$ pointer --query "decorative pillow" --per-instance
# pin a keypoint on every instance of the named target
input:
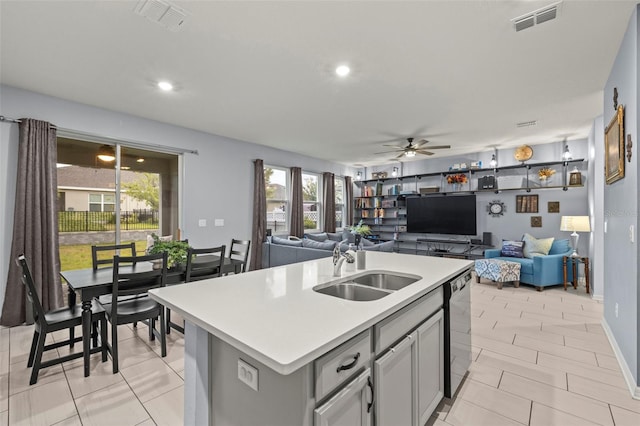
(334, 236)
(346, 235)
(317, 237)
(321, 245)
(387, 247)
(536, 247)
(366, 243)
(285, 242)
(512, 248)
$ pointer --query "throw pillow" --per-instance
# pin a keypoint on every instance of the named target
(536, 246)
(285, 242)
(334, 236)
(346, 235)
(512, 248)
(320, 245)
(317, 237)
(387, 247)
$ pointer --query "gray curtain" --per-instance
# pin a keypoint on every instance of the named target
(35, 222)
(329, 202)
(259, 229)
(348, 201)
(297, 214)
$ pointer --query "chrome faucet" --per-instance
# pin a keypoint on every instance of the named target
(338, 259)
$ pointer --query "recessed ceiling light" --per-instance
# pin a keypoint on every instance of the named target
(140, 160)
(165, 85)
(343, 70)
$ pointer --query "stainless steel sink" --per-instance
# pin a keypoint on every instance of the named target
(367, 286)
(351, 291)
(384, 280)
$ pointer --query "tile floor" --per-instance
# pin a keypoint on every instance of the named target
(539, 359)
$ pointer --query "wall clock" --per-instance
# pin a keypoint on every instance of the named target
(496, 208)
(523, 153)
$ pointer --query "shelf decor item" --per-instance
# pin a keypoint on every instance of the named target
(545, 175)
(457, 180)
(176, 251)
(523, 153)
(614, 148)
(360, 230)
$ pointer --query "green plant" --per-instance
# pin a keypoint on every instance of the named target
(360, 229)
(176, 250)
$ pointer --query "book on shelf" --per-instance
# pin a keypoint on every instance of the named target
(379, 188)
(388, 203)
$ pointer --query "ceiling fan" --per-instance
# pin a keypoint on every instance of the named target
(411, 149)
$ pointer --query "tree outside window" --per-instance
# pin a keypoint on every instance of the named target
(311, 201)
(276, 189)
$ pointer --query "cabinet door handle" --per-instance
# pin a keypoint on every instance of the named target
(350, 365)
(373, 396)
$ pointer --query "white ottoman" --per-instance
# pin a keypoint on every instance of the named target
(499, 271)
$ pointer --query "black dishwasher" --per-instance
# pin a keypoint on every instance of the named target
(457, 336)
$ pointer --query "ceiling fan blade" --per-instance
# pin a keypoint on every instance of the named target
(420, 143)
(394, 146)
(439, 147)
(425, 152)
(399, 156)
(387, 152)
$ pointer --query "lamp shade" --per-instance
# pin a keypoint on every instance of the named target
(575, 224)
(106, 153)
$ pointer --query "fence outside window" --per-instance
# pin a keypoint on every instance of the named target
(85, 221)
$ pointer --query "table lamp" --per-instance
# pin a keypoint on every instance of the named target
(575, 224)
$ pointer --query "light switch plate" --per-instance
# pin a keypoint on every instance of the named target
(248, 374)
(202, 223)
(632, 236)
(219, 222)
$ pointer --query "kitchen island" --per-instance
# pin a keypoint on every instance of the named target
(256, 343)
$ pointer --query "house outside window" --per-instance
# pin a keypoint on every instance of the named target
(312, 205)
(339, 200)
(276, 181)
(102, 202)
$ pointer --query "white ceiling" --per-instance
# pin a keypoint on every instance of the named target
(452, 71)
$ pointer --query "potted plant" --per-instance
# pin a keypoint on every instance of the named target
(360, 230)
(176, 251)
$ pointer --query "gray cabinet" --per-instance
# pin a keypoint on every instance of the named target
(396, 383)
(430, 366)
(352, 406)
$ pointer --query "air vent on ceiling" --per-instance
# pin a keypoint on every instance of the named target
(537, 17)
(162, 12)
(527, 123)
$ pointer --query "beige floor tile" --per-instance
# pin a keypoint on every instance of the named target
(20, 375)
(168, 408)
(517, 352)
(496, 400)
(151, 378)
(599, 346)
(4, 339)
(595, 328)
(4, 418)
(484, 373)
(434, 421)
(554, 349)
(540, 335)
(147, 422)
(608, 362)
(4, 362)
(175, 350)
(42, 405)
(500, 335)
(531, 371)
(464, 413)
(4, 392)
(546, 318)
(576, 330)
(519, 323)
(101, 376)
(559, 399)
(114, 405)
(553, 362)
(623, 417)
(541, 415)
(603, 392)
(71, 421)
(133, 351)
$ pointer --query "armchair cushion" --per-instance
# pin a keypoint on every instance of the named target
(536, 247)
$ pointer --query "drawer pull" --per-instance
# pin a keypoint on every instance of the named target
(351, 364)
(370, 404)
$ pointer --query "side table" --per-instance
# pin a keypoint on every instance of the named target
(575, 261)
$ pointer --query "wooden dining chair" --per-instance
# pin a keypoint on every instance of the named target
(238, 256)
(202, 264)
(140, 307)
(54, 320)
(115, 249)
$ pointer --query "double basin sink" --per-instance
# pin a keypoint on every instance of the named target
(372, 285)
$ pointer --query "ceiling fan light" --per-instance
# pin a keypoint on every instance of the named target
(106, 153)
(409, 153)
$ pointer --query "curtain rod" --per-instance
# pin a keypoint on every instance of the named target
(13, 120)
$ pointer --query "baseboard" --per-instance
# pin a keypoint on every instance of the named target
(626, 372)
(597, 297)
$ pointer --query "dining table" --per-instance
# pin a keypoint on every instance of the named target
(87, 284)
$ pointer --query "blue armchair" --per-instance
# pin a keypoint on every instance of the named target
(540, 271)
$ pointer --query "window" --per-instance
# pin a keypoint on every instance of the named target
(277, 190)
(339, 200)
(311, 204)
(102, 202)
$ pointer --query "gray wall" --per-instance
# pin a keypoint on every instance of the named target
(513, 225)
(596, 208)
(218, 182)
(621, 207)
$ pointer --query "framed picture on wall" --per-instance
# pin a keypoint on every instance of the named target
(614, 148)
(526, 204)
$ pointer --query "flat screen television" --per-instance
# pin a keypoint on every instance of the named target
(449, 214)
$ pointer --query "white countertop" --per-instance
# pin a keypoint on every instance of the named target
(274, 316)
